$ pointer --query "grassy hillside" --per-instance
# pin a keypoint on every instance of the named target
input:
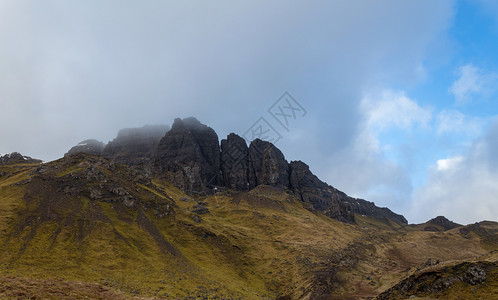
(465, 280)
(86, 219)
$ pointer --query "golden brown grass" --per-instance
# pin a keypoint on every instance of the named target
(251, 245)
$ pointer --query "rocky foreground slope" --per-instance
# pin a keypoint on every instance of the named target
(463, 280)
(265, 229)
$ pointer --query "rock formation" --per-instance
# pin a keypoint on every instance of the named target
(189, 156)
(267, 165)
(443, 222)
(16, 157)
(136, 146)
(87, 146)
(331, 201)
(235, 162)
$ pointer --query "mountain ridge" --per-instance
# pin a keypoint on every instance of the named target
(86, 218)
(191, 156)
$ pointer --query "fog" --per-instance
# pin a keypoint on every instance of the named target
(71, 71)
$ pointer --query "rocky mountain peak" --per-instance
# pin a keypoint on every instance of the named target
(189, 123)
(443, 222)
(189, 156)
(16, 157)
(89, 146)
(136, 146)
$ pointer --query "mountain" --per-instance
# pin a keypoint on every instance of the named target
(190, 157)
(16, 157)
(132, 146)
(90, 146)
(263, 228)
(135, 146)
(441, 221)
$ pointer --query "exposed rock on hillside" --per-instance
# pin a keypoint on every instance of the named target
(311, 189)
(235, 162)
(92, 177)
(16, 157)
(135, 146)
(331, 201)
(90, 146)
(90, 217)
(189, 156)
(443, 222)
(267, 165)
(447, 282)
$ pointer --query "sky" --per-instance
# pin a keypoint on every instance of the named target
(395, 102)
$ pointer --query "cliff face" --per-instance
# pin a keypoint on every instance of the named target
(190, 157)
(135, 146)
(331, 201)
(235, 162)
(267, 165)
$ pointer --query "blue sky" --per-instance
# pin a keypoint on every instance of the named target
(456, 103)
(400, 96)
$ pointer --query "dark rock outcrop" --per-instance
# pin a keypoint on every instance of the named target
(136, 146)
(275, 167)
(311, 189)
(443, 222)
(437, 282)
(235, 162)
(367, 208)
(267, 165)
(331, 201)
(189, 156)
(16, 157)
(87, 146)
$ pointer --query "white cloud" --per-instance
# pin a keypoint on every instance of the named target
(394, 109)
(364, 169)
(125, 63)
(451, 121)
(449, 164)
(462, 188)
(472, 82)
